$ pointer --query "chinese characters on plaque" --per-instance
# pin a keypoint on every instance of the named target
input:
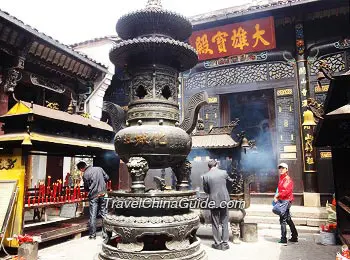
(286, 124)
(234, 39)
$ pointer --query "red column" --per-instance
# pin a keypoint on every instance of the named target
(4, 100)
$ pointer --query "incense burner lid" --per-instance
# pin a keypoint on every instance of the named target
(154, 20)
(154, 50)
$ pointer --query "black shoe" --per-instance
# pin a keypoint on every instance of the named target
(216, 246)
(92, 237)
(224, 246)
(283, 242)
(293, 240)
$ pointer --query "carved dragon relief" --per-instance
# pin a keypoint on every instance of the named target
(11, 80)
(316, 108)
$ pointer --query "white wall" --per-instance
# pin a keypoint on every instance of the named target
(95, 102)
(39, 169)
(99, 51)
(66, 166)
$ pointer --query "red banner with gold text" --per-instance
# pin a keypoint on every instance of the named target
(234, 39)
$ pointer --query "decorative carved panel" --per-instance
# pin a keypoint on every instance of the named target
(336, 63)
(142, 80)
(280, 70)
(163, 82)
(195, 81)
(240, 75)
(237, 75)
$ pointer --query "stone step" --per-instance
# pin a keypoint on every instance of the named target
(275, 220)
(206, 231)
(260, 210)
(301, 229)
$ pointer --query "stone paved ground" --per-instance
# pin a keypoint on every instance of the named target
(265, 249)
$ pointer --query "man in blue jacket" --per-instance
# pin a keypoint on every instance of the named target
(95, 180)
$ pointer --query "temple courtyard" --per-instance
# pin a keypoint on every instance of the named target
(267, 248)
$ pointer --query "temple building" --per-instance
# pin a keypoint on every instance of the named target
(36, 68)
(40, 69)
(260, 64)
(50, 109)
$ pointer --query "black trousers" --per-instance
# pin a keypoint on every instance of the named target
(285, 218)
(219, 216)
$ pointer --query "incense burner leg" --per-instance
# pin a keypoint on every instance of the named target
(138, 168)
(182, 172)
(235, 228)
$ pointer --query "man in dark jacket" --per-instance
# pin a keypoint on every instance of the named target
(95, 180)
(214, 184)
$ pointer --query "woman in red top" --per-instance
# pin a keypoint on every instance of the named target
(284, 198)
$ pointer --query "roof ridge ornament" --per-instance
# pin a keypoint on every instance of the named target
(154, 4)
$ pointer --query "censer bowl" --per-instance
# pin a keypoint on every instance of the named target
(161, 145)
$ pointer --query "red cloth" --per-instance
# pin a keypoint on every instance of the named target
(285, 188)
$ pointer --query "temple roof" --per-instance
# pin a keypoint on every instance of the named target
(245, 9)
(25, 108)
(230, 12)
(113, 38)
(46, 48)
(87, 146)
(213, 141)
(55, 132)
(216, 137)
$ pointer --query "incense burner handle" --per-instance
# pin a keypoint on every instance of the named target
(192, 109)
(116, 114)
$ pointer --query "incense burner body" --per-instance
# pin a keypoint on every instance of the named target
(153, 130)
(152, 54)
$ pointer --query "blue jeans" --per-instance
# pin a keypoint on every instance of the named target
(282, 209)
(96, 205)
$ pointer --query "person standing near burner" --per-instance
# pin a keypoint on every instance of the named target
(95, 180)
(214, 184)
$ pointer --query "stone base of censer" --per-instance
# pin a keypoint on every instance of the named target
(152, 225)
(192, 252)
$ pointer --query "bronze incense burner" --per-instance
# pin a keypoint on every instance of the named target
(153, 53)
